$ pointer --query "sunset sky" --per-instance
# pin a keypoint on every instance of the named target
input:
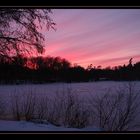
(105, 37)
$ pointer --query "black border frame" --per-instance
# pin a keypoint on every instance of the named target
(74, 4)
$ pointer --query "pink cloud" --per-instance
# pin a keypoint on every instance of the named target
(102, 37)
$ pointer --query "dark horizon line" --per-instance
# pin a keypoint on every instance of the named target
(76, 64)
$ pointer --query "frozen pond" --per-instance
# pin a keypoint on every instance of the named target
(80, 88)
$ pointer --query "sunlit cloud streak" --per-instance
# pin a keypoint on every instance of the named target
(98, 36)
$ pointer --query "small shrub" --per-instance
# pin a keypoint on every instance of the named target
(116, 112)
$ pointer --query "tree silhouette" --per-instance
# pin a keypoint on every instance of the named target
(130, 62)
(20, 30)
(56, 69)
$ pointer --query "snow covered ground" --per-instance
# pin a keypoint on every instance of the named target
(30, 126)
(84, 90)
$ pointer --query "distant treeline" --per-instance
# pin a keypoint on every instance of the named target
(55, 69)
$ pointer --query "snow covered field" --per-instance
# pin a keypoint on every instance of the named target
(30, 126)
(82, 90)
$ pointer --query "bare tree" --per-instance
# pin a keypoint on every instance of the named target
(76, 114)
(20, 30)
(42, 109)
(16, 106)
(28, 106)
(23, 106)
(67, 110)
(2, 106)
(57, 104)
(117, 112)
